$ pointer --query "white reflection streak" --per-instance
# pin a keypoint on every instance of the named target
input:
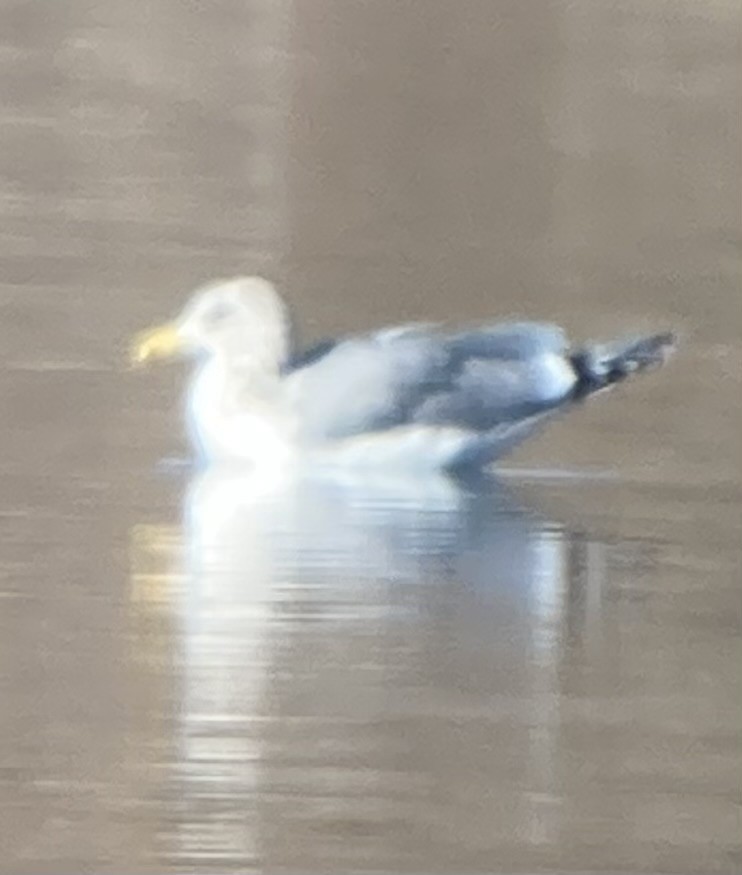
(226, 620)
(548, 594)
(255, 543)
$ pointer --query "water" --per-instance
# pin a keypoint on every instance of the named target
(534, 673)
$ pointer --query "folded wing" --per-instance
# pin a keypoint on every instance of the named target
(484, 379)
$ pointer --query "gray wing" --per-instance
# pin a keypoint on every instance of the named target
(478, 379)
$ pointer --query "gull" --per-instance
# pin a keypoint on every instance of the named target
(422, 397)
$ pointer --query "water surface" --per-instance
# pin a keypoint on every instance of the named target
(535, 673)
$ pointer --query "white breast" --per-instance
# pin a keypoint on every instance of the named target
(254, 431)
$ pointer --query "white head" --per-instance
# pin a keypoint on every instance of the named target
(242, 320)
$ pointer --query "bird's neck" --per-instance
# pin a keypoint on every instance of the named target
(232, 377)
(259, 351)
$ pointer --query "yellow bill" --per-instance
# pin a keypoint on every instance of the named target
(157, 343)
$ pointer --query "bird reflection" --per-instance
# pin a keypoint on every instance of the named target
(306, 612)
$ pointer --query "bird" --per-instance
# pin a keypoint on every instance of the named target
(418, 396)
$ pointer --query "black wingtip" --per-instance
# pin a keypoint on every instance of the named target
(652, 350)
(601, 365)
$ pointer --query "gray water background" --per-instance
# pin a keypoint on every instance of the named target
(544, 677)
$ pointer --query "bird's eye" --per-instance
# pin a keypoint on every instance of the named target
(219, 313)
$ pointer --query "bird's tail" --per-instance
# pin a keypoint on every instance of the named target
(601, 365)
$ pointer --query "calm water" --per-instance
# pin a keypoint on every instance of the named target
(539, 672)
